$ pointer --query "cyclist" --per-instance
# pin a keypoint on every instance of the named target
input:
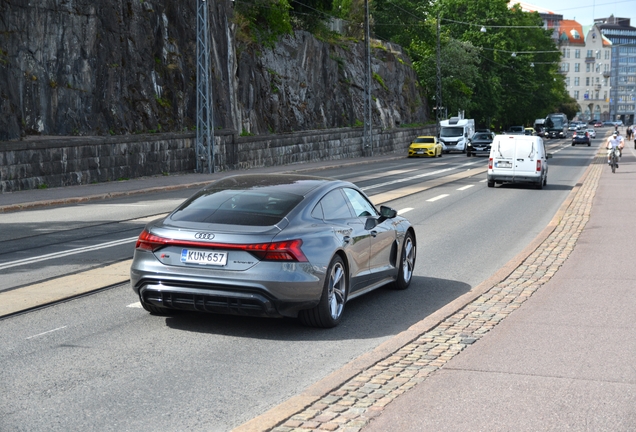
(615, 140)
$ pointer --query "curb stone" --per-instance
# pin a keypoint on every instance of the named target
(351, 406)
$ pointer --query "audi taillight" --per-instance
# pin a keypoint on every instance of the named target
(150, 242)
(288, 250)
(278, 251)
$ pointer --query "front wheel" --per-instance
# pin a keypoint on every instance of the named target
(407, 264)
(328, 312)
(468, 154)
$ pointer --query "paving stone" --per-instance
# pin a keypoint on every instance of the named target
(349, 408)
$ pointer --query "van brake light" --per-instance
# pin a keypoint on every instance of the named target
(538, 165)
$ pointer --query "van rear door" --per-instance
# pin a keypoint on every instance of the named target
(502, 152)
(526, 155)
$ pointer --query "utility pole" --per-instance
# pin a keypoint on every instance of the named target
(367, 140)
(438, 93)
(205, 117)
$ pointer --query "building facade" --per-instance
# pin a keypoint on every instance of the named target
(623, 67)
(586, 64)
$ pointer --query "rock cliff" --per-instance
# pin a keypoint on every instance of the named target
(113, 67)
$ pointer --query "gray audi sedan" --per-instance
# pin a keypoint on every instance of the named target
(272, 246)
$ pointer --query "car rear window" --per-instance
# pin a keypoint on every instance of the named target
(237, 207)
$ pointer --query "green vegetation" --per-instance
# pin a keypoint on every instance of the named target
(163, 102)
(478, 72)
(380, 81)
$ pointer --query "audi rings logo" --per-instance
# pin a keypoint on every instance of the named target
(204, 236)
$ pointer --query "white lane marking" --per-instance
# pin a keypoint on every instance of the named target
(382, 174)
(465, 187)
(417, 176)
(483, 181)
(405, 210)
(146, 219)
(113, 205)
(66, 253)
(135, 305)
(50, 331)
(439, 197)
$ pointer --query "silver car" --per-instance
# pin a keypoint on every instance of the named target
(272, 245)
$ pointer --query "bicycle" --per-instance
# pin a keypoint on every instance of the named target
(614, 158)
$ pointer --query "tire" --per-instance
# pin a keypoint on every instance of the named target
(407, 264)
(468, 154)
(440, 153)
(613, 167)
(491, 184)
(328, 312)
(589, 144)
(545, 180)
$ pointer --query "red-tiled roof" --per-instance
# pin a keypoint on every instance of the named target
(573, 31)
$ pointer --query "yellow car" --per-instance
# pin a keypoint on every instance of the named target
(425, 146)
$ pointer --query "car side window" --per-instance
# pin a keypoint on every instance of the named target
(361, 206)
(332, 206)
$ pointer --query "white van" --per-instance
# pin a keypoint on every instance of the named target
(518, 159)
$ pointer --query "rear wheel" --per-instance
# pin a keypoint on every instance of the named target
(407, 264)
(329, 310)
(491, 183)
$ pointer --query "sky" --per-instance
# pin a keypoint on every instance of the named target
(584, 11)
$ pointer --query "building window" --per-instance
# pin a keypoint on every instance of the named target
(607, 54)
(577, 53)
(587, 81)
(576, 81)
(567, 81)
(577, 67)
(589, 53)
(576, 94)
(598, 54)
(588, 67)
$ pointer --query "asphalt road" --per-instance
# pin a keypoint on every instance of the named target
(100, 362)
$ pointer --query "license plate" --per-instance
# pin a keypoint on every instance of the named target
(215, 258)
(503, 164)
(420, 152)
(479, 148)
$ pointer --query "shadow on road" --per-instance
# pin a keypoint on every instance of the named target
(378, 314)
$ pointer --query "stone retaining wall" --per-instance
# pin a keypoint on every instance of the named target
(63, 161)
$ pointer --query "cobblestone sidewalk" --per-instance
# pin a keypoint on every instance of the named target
(351, 406)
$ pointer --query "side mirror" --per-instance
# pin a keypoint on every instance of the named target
(370, 223)
(387, 212)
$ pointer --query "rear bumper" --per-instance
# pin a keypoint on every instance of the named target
(246, 301)
(506, 178)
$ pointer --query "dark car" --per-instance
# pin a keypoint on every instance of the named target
(272, 246)
(516, 130)
(581, 137)
(479, 143)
